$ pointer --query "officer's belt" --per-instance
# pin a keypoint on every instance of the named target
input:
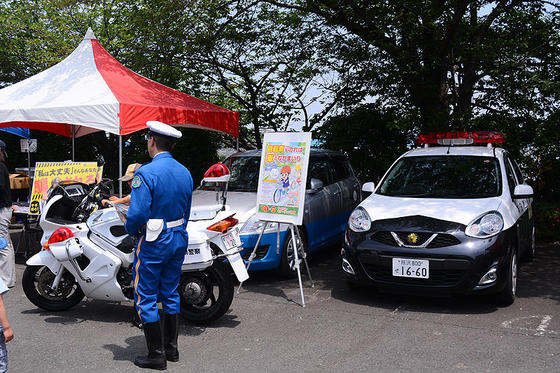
(175, 223)
(155, 226)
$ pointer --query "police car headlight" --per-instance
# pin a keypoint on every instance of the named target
(359, 220)
(487, 225)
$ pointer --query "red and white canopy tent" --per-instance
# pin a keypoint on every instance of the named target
(91, 91)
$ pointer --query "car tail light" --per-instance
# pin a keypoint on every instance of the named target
(460, 138)
(59, 235)
(223, 225)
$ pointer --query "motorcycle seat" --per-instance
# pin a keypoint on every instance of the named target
(127, 245)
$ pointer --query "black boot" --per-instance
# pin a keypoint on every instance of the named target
(170, 332)
(136, 320)
(154, 341)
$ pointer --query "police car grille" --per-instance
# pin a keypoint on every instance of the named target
(421, 237)
(443, 240)
(385, 238)
(259, 254)
(437, 277)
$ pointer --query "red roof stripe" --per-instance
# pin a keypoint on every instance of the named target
(142, 99)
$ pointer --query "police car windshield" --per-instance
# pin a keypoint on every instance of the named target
(443, 177)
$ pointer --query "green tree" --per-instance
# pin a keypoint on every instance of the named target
(264, 58)
(146, 36)
(371, 138)
(450, 60)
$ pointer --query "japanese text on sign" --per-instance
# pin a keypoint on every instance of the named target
(282, 176)
(46, 172)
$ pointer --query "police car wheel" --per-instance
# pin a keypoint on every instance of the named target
(287, 268)
(507, 296)
(37, 281)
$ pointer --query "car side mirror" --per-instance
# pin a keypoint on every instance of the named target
(522, 191)
(368, 187)
(316, 185)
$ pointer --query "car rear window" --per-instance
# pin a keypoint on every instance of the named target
(443, 177)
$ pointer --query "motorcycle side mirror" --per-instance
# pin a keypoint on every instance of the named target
(107, 182)
(106, 185)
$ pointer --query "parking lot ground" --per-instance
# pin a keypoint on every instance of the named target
(340, 329)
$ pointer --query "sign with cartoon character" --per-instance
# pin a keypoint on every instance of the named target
(49, 174)
(283, 172)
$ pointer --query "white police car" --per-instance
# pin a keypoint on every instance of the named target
(452, 217)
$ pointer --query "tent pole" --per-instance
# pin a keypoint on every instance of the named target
(29, 168)
(120, 165)
(73, 138)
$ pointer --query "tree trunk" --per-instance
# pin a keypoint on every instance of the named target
(257, 132)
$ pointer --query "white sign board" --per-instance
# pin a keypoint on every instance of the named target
(30, 144)
(282, 177)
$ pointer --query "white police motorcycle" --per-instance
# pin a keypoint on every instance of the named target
(87, 252)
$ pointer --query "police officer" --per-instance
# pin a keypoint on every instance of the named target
(160, 205)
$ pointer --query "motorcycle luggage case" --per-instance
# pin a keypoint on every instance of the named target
(199, 254)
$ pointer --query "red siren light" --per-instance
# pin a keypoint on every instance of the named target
(59, 235)
(217, 170)
(461, 138)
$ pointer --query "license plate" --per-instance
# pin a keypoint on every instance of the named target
(416, 268)
(231, 239)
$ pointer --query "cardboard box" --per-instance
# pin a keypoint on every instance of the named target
(19, 181)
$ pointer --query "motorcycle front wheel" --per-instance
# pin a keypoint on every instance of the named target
(37, 286)
(206, 295)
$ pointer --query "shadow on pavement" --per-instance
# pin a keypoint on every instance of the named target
(323, 271)
(111, 312)
(134, 346)
(137, 344)
(190, 329)
(541, 278)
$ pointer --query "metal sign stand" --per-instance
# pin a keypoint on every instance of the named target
(293, 231)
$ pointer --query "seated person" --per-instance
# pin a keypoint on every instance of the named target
(128, 176)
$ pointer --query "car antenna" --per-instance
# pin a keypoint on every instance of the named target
(448, 148)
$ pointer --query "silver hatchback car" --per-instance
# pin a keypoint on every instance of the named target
(333, 191)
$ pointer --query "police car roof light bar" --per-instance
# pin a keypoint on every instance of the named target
(460, 138)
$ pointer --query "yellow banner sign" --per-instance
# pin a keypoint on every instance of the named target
(46, 172)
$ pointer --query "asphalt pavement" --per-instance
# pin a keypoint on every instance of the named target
(340, 330)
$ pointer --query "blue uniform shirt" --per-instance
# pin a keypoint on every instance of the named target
(161, 189)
